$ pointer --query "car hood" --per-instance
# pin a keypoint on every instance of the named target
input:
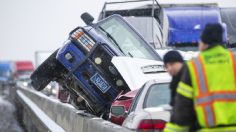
(132, 72)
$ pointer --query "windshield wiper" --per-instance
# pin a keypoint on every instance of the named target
(109, 36)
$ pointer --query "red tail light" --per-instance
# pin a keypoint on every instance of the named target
(149, 124)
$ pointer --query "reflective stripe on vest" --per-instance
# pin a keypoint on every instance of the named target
(206, 98)
(233, 57)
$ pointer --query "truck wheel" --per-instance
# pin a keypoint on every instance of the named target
(47, 72)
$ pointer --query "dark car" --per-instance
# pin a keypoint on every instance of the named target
(122, 103)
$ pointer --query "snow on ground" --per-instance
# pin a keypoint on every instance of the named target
(187, 55)
(8, 122)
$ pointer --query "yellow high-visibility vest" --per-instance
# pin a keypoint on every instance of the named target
(213, 77)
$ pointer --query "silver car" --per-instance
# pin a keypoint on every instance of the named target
(150, 109)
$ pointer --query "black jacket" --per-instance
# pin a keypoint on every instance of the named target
(183, 111)
(174, 84)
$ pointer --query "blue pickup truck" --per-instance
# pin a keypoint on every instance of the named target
(83, 64)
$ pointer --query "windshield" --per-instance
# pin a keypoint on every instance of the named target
(122, 36)
(158, 94)
(5, 73)
(27, 72)
(149, 28)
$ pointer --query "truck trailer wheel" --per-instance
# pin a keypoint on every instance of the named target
(49, 70)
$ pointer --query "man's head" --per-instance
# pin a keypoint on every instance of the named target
(173, 62)
(211, 35)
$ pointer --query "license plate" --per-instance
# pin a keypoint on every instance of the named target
(100, 82)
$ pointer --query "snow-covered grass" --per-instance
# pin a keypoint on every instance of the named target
(8, 122)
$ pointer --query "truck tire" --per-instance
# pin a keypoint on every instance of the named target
(49, 70)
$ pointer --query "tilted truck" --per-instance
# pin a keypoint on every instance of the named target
(83, 65)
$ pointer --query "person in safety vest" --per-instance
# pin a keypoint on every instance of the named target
(206, 94)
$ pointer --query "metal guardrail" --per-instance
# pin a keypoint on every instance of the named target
(41, 113)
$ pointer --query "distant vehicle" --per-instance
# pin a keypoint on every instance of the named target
(23, 68)
(51, 90)
(150, 109)
(228, 17)
(6, 73)
(23, 80)
(121, 103)
(184, 30)
(83, 65)
(63, 95)
(144, 17)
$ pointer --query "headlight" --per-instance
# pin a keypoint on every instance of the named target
(83, 38)
(25, 84)
(119, 83)
(49, 87)
(98, 60)
(69, 57)
(54, 91)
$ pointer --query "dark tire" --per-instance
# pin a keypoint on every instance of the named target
(49, 70)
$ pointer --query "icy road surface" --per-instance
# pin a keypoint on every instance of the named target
(8, 122)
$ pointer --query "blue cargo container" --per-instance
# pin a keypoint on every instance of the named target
(185, 24)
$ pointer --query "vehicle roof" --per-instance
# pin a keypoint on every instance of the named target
(131, 70)
(160, 80)
(131, 94)
(24, 65)
(5, 65)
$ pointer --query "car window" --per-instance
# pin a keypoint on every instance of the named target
(136, 99)
(127, 40)
(157, 95)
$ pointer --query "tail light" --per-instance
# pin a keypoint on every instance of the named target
(148, 125)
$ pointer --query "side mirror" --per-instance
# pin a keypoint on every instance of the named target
(87, 18)
(118, 110)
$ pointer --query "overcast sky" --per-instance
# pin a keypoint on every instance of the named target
(27, 26)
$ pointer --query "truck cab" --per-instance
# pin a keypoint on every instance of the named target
(5, 73)
(23, 69)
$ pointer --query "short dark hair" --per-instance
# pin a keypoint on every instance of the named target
(212, 34)
(172, 56)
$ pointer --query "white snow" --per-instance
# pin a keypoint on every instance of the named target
(187, 55)
(8, 122)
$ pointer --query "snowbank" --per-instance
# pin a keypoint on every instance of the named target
(8, 122)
